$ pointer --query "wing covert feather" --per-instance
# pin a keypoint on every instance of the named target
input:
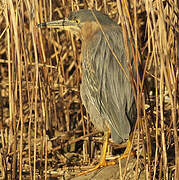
(107, 88)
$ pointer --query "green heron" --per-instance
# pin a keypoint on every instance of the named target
(106, 90)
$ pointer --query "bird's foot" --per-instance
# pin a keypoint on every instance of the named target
(102, 163)
(125, 155)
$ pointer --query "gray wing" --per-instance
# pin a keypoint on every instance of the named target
(106, 86)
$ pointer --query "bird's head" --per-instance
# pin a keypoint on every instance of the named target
(83, 23)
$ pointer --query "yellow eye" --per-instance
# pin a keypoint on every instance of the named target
(77, 21)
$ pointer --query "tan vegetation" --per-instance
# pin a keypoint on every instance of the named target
(44, 129)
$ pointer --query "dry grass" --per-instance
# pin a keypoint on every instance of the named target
(44, 128)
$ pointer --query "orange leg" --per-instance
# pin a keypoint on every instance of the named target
(126, 152)
(103, 161)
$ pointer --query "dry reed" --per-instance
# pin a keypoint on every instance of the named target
(44, 129)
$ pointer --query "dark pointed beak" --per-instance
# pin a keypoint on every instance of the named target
(61, 24)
